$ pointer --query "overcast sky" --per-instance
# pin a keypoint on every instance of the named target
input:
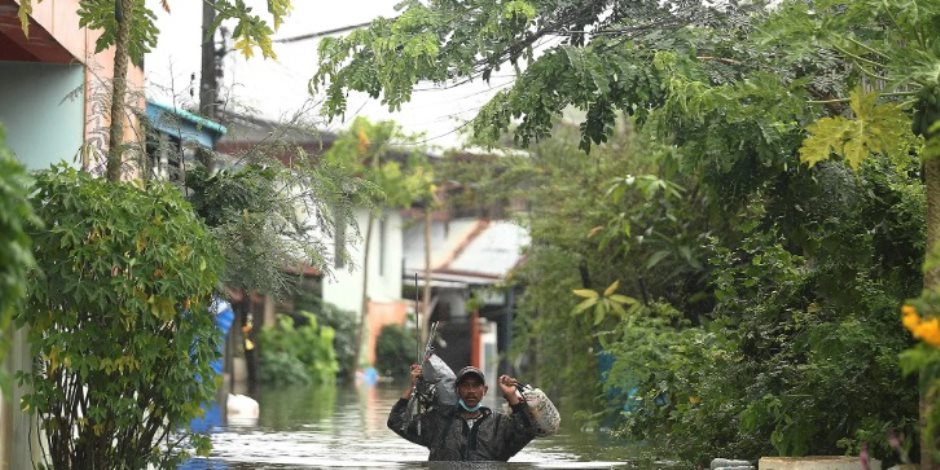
(278, 88)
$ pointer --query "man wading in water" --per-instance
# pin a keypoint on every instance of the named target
(467, 431)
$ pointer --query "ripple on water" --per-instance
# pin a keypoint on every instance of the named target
(345, 428)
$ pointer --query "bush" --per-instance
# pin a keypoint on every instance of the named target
(342, 321)
(15, 258)
(394, 351)
(304, 354)
(118, 321)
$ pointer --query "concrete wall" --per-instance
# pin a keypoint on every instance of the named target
(44, 120)
(42, 127)
(380, 315)
(344, 289)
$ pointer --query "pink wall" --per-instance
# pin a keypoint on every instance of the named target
(381, 314)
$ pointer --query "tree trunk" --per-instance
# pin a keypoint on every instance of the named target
(931, 282)
(365, 292)
(426, 294)
(123, 11)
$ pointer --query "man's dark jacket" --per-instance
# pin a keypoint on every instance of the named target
(494, 436)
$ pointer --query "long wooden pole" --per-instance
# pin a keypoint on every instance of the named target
(426, 302)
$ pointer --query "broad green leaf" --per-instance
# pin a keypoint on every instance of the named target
(656, 258)
(611, 288)
(616, 308)
(584, 305)
(876, 128)
(599, 313)
(586, 293)
(622, 299)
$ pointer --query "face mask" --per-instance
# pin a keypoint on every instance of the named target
(469, 409)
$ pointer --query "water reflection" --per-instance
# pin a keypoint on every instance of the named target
(344, 427)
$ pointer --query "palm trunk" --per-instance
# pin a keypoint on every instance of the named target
(123, 11)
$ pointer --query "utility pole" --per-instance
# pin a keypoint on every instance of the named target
(209, 77)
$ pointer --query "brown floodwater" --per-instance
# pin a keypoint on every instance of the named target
(344, 427)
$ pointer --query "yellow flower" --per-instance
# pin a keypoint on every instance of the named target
(926, 330)
(929, 331)
(910, 321)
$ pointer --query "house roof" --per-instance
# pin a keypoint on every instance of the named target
(184, 124)
(470, 251)
(40, 46)
(247, 132)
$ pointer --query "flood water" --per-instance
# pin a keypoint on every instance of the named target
(344, 427)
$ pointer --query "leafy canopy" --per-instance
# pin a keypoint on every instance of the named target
(883, 129)
(251, 30)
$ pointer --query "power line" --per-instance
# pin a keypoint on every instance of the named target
(343, 29)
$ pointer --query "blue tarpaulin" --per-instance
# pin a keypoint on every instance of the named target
(224, 317)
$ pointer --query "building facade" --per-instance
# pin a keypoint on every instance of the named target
(54, 106)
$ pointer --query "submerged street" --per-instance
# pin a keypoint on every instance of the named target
(344, 427)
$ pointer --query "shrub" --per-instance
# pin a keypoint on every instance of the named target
(118, 321)
(301, 354)
(394, 351)
(15, 258)
(342, 321)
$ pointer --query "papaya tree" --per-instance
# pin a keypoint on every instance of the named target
(129, 26)
(742, 90)
(893, 49)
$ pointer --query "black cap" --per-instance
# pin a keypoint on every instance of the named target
(470, 370)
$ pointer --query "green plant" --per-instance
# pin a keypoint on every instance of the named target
(343, 323)
(394, 351)
(302, 354)
(16, 218)
(366, 151)
(256, 217)
(118, 321)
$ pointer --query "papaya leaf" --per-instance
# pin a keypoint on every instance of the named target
(876, 129)
(26, 9)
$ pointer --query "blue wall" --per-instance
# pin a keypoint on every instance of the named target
(44, 121)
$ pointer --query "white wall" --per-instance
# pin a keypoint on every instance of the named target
(44, 123)
(344, 289)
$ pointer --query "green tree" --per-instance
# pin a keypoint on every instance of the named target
(128, 26)
(395, 179)
(119, 322)
(740, 90)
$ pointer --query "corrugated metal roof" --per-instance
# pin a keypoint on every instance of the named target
(495, 251)
(471, 251)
